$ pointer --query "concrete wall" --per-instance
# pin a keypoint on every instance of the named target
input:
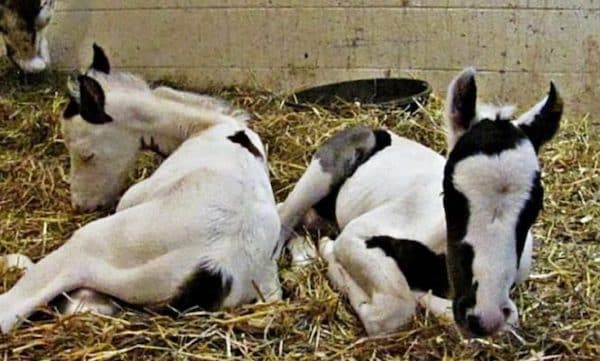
(518, 45)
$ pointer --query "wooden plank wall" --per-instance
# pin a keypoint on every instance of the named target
(518, 45)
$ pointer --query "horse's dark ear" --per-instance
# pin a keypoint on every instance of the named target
(28, 10)
(72, 108)
(461, 105)
(100, 62)
(541, 122)
(92, 101)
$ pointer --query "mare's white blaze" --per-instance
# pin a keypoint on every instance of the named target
(497, 188)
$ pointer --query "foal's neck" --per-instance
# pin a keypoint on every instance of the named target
(164, 124)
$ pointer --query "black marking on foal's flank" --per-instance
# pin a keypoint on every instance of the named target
(342, 155)
(100, 61)
(204, 289)
(72, 108)
(424, 270)
(528, 214)
(242, 139)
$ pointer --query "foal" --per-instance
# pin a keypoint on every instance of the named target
(199, 232)
(414, 223)
(22, 26)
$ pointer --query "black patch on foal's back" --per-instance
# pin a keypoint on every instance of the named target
(332, 160)
(424, 270)
(242, 139)
(204, 289)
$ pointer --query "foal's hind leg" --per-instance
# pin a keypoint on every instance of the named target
(56, 273)
(114, 255)
(332, 164)
(376, 288)
(81, 300)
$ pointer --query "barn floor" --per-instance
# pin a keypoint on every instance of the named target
(559, 305)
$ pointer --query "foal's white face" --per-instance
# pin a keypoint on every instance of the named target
(22, 23)
(102, 153)
(492, 196)
(101, 157)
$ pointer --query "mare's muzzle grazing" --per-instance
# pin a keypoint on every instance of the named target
(22, 26)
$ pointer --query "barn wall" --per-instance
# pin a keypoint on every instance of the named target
(518, 45)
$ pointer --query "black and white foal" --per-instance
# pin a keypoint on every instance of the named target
(199, 232)
(418, 228)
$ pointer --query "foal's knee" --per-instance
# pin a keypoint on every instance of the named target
(386, 313)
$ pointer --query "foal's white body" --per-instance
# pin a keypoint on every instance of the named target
(209, 205)
(396, 193)
(392, 209)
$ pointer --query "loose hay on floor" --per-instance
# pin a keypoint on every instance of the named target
(559, 305)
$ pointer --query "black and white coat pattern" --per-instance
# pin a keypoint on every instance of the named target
(199, 232)
(451, 234)
(22, 27)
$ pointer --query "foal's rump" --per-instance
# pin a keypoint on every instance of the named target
(405, 169)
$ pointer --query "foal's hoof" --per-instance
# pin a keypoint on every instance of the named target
(303, 251)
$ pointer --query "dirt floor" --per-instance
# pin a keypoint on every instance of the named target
(559, 305)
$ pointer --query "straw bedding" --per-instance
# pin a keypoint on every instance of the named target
(559, 305)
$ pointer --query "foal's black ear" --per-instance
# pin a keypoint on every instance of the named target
(100, 62)
(92, 101)
(541, 122)
(72, 108)
(461, 105)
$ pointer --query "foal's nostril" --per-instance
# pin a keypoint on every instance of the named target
(474, 325)
(506, 311)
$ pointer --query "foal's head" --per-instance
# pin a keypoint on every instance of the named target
(112, 115)
(492, 196)
(22, 23)
(102, 147)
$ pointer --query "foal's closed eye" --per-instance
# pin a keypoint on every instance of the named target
(86, 157)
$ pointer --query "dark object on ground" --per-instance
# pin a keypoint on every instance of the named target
(386, 92)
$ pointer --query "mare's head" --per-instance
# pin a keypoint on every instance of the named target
(492, 196)
(22, 24)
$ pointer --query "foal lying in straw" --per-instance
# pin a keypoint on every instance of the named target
(199, 232)
(412, 222)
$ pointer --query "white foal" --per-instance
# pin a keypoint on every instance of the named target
(198, 233)
(418, 228)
